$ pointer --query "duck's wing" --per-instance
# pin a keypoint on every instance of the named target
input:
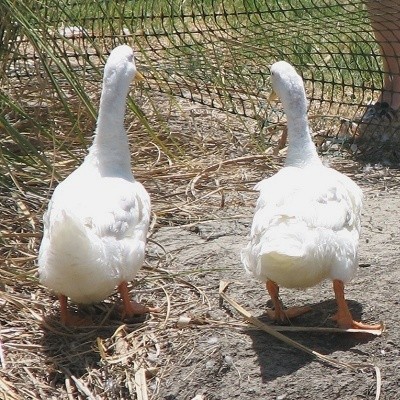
(97, 237)
(305, 220)
(110, 207)
(122, 215)
(318, 196)
(87, 223)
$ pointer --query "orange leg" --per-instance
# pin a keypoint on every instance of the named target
(343, 316)
(279, 314)
(132, 307)
(69, 319)
(64, 312)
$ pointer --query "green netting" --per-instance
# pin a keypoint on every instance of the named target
(216, 53)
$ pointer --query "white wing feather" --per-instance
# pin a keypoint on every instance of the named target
(94, 235)
(306, 227)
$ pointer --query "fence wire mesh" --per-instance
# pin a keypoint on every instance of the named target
(211, 52)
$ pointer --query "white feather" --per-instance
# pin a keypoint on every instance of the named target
(96, 224)
(306, 224)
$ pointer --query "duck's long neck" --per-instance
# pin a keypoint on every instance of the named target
(301, 149)
(110, 149)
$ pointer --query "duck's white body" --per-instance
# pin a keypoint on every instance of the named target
(306, 227)
(306, 224)
(97, 221)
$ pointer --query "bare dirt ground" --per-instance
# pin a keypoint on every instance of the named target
(198, 348)
(239, 363)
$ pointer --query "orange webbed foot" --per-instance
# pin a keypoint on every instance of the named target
(281, 315)
(347, 322)
(130, 307)
(134, 308)
(70, 319)
(343, 316)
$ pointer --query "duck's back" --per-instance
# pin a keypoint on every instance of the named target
(94, 234)
(306, 227)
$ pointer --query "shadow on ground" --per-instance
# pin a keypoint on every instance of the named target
(277, 359)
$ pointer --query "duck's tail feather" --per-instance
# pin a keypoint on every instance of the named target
(279, 250)
(283, 249)
(68, 241)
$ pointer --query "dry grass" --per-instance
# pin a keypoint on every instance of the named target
(190, 180)
(199, 163)
(203, 163)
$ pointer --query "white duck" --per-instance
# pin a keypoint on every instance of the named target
(97, 220)
(306, 224)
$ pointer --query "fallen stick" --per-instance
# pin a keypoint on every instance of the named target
(273, 332)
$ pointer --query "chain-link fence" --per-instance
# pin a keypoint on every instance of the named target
(213, 52)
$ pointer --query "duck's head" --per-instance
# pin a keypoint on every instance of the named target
(120, 68)
(288, 85)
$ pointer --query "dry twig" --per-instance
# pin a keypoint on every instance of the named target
(273, 332)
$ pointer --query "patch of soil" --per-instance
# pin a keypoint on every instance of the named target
(203, 205)
(232, 362)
